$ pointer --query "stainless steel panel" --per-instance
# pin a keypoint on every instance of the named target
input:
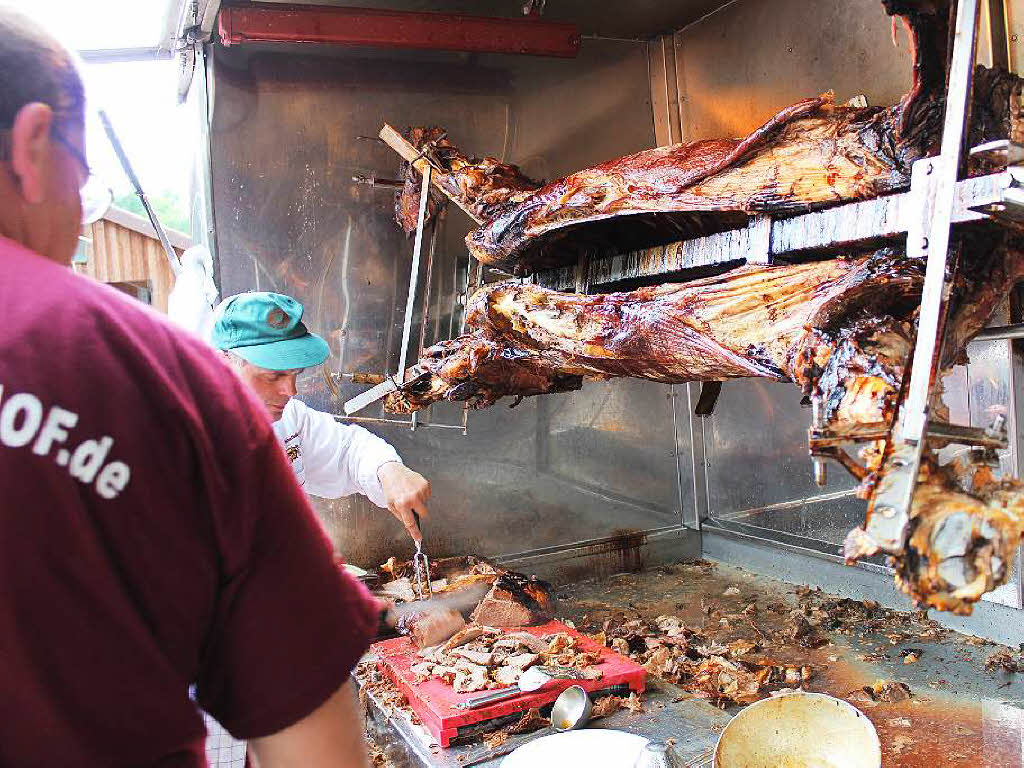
(758, 470)
(555, 470)
(742, 65)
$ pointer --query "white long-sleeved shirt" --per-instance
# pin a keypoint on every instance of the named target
(332, 459)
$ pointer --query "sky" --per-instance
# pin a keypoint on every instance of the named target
(140, 98)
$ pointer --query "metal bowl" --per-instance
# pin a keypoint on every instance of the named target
(571, 709)
(799, 730)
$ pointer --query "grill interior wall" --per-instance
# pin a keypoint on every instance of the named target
(557, 469)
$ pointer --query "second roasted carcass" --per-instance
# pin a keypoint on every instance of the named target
(842, 330)
(780, 323)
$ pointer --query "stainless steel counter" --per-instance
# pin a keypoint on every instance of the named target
(963, 710)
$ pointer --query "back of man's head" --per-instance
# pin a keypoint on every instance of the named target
(42, 139)
(34, 67)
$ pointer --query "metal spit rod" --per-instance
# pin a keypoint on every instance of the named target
(414, 273)
(115, 142)
(400, 375)
(414, 420)
(1001, 333)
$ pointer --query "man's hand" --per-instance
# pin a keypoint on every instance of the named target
(406, 492)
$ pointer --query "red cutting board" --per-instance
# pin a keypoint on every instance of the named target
(434, 701)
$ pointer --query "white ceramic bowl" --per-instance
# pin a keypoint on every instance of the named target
(591, 747)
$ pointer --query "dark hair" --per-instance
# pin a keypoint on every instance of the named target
(35, 67)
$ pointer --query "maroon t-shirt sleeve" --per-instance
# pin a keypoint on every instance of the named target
(289, 625)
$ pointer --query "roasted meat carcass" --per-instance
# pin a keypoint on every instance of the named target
(771, 322)
(841, 330)
(811, 154)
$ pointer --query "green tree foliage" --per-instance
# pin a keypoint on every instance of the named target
(169, 206)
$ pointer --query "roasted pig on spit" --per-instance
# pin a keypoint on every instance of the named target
(842, 330)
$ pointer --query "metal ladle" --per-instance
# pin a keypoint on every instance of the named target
(571, 709)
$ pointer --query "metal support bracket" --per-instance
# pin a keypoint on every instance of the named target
(414, 273)
(928, 232)
(709, 393)
(1008, 201)
(393, 383)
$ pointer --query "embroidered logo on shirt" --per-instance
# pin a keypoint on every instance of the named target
(293, 452)
(277, 319)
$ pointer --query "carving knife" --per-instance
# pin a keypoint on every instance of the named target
(462, 600)
(382, 390)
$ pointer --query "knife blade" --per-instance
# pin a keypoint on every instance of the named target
(382, 390)
(461, 600)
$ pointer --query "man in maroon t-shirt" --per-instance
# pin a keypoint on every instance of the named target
(152, 534)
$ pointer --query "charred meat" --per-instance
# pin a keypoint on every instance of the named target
(513, 600)
(482, 185)
(780, 323)
(516, 601)
(962, 541)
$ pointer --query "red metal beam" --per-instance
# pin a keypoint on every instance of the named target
(396, 29)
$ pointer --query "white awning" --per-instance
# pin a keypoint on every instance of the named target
(142, 28)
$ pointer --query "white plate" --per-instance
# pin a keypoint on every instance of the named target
(592, 747)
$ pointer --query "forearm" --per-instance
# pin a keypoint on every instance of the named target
(369, 454)
(330, 737)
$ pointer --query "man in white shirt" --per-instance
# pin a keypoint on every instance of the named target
(263, 338)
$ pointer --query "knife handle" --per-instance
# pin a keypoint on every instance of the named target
(490, 698)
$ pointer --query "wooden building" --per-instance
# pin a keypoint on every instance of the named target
(123, 250)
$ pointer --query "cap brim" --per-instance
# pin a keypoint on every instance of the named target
(287, 354)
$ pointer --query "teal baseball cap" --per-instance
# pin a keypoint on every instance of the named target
(266, 329)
